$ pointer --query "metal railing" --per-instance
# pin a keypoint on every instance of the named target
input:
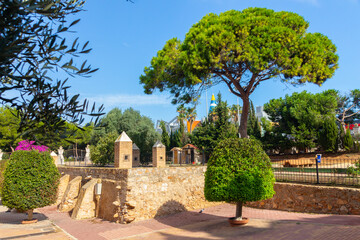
(74, 157)
(335, 171)
(327, 171)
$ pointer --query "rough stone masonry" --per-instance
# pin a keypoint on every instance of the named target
(143, 193)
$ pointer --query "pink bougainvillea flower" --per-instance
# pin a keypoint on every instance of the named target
(26, 145)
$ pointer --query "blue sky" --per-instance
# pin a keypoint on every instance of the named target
(125, 36)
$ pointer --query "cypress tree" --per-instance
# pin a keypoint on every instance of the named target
(348, 141)
(253, 128)
(328, 135)
(165, 139)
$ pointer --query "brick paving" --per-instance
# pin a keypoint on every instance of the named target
(210, 224)
(11, 227)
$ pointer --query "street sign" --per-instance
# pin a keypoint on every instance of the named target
(318, 158)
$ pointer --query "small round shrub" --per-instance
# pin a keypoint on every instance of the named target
(30, 180)
(239, 171)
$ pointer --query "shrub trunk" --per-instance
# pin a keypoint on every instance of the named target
(238, 215)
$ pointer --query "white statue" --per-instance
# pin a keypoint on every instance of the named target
(1, 154)
(87, 154)
(61, 155)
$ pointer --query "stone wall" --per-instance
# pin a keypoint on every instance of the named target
(161, 191)
(94, 172)
(312, 199)
(146, 192)
(143, 193)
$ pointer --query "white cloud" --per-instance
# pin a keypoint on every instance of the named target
(128, 100)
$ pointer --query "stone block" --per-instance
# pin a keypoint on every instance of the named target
(71, 194)
(109, 195)
(63, 183)
(86, 203)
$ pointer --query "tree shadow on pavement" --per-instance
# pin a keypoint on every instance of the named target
(14, 217)
(345, 220)
(201, 225)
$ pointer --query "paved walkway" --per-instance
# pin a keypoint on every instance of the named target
(44, 229)
(210, 224)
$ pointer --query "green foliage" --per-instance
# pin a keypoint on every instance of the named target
(183, 114)
(253, 127)
(301, 116)
(165, 139)
(215, 129)
(348, 141)
(9, 125)
(70, 134)
(3, 164)
(33, 47)
(175, 139)
(354, 171)
(103, 153)
(30, 180)
(241, 49)
(239, 171)
(328, 135)
(206, 136)
(139, 128)
(73, 136)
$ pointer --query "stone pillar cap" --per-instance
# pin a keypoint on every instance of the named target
(135, 147)
(158, 144)
(123, 138)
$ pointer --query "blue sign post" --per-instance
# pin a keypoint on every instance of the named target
(318, 160)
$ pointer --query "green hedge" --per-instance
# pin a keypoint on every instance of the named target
(239, 171)
(2, 169)
(30, 180)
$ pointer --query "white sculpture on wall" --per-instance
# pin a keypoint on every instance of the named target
(61, 155)
(87, 155)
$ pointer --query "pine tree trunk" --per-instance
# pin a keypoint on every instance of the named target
(244, 118)
(238, 215)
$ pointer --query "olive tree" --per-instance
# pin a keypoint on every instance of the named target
(33, 50)
(241, 49)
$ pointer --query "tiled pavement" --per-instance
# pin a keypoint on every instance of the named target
(211, 224)
(44, 229)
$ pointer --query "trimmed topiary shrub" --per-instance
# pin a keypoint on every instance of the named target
(30, 181)
(239, 171)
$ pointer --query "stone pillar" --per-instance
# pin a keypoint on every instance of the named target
(136, 155)
(61, 159)
(87, 159)
(159, 155)
(123, 151)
